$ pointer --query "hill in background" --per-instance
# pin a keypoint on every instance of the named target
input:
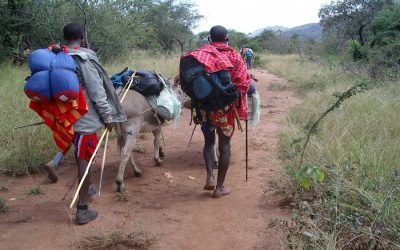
(310, 31)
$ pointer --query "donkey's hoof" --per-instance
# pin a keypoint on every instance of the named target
(121, 187)
(137, 174)
(162, 154)
(159, 162)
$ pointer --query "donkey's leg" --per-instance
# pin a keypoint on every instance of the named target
(157, 135)
(162, 153)
(126, 151)
(136, 170)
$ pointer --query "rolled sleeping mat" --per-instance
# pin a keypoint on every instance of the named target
(64, 85)
(63, 61)
(252, 88)
(40, 60)
(37, 88)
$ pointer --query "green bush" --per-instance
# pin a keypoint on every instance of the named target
(355, 50)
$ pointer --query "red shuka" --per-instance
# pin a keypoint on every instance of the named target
(219, 56)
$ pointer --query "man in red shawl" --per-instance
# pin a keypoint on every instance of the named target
(216, 56)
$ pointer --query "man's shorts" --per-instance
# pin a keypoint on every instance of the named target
(85, 145)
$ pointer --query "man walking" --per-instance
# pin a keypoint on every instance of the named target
(248, 56)
(104, 109)
(222, 121)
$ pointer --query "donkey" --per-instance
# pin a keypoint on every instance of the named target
(141, 118)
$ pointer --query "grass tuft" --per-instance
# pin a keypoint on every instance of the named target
(118, 239)
(3, 205)
(22, 219)
(36, 190)
(122, 196)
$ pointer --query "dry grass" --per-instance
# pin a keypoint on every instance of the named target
(280, 85)
(118, 239)
(36, 190)
(358, 204)
(167, 65)
(122, 196)
(23, 150)
(22, 219)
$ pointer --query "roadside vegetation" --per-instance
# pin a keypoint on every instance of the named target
(346, 189)
(341, 144)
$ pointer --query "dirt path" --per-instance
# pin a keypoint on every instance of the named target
(175, 210)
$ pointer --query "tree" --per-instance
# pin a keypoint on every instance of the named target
(351, 19)
(386, 35)
(113, 27)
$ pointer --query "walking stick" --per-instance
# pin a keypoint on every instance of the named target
(97, 149)
(247, 151)
(30, 125)
(191, 137)
(238, 120)
(104, 160)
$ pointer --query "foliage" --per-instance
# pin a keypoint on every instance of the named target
(351, 18)
(357, 205)
(386, 30)
(371, 27)
(112, 28)
(355, 50)
(307, 173)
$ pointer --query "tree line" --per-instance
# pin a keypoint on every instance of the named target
(112, 27)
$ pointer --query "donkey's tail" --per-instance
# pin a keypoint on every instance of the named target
(119, 130)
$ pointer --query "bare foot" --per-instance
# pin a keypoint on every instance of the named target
(210, 184)
(219, 192)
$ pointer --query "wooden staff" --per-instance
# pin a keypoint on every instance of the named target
(238, 119)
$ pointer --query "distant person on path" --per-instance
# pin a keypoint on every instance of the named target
(213, 57)
(242, 52)
(104, 109)
(248, 56)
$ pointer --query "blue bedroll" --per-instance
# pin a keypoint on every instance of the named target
(37, 88)
(40, 60)
(64, 84)
(63, 61)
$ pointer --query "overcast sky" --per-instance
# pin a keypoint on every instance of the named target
(249, 15)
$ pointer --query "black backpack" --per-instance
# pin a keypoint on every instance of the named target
(208, 92)
(145, 82)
